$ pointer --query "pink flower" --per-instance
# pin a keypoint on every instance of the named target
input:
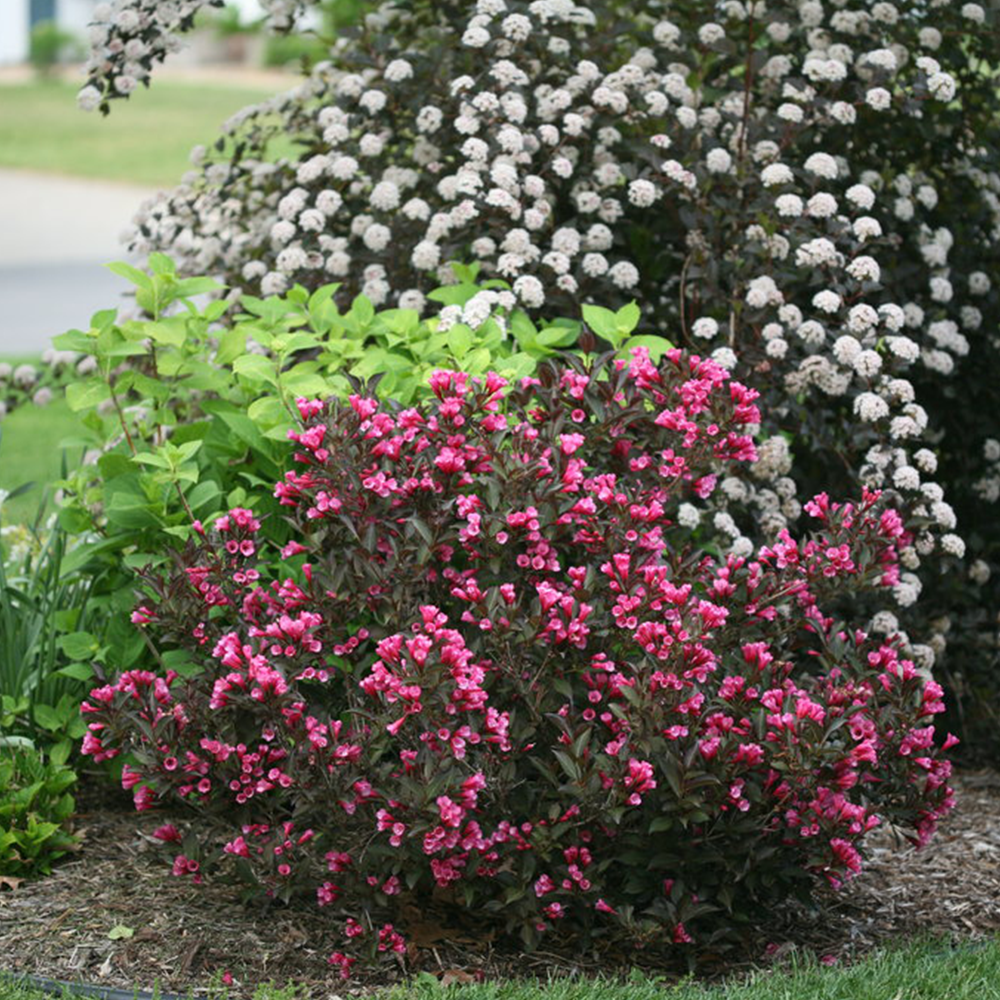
(571, 443)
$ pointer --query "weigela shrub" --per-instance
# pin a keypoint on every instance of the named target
(501, 675)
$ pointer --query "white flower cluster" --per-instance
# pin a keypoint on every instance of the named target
(774, 212)
(129, 37)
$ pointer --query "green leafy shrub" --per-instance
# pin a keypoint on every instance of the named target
(35, 805)
(49, 45)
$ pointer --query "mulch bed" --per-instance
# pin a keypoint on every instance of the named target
(58, 927)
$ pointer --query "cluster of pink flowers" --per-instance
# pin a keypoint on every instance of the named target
(494, 666)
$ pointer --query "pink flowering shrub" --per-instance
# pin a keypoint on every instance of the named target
(501, 675)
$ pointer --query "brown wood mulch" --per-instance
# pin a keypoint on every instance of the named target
(184, 936)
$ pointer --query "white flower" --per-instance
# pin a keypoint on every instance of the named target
(867, 364)
(384, 196)
(790, 112)
(892, 316)
(398, 70)
(979, 284)
(862, 318)
(885, 623)
(373, 101)
(827, 301)
(776, 173)
(867, 228)
(666, 33)
(953, 545)
(884, 59)
(941, 290)
(429, 119)
(688, 516)
(942, 86)
(710, 33)
(624, 274)
(870, 407)
(724, 356)
(788, 205)
(718, 160)
(822, 165)
(88, 98)
(516, 27)
(476, 37)
(816, 253)
(930, 38)
(642, 193)
(705, 327)
(530, 291)
(821, 205)
(846, 349)
(864, 268)
(861, 195)
(879, 99)
(425, 256)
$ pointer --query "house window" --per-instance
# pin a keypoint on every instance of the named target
(42, 10)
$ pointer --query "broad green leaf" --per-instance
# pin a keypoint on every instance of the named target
(172, 331)
(84, 395)
(603, 322)
(77, 671)
(47, 717)
(454, 295)
(628, 317)
(256, 368)
(266, 412)
(78, 645)
(151, 458)
(138, 278)
(160, 263)
(196, 286)
(74, 340)
(232, 344)
(460, 339)
(362, 311)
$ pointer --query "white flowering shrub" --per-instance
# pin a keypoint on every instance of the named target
(808, 191)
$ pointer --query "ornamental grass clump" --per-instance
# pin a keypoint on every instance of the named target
(501, 677)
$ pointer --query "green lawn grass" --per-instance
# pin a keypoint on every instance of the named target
(29, 452)
(923, 971)
(145, 140)
(29, 449)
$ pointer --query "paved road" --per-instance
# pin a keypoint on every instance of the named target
(56, 233)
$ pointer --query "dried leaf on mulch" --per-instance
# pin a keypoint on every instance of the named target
(63, 927)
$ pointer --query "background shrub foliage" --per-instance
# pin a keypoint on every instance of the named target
(809, 192)
(495, 668)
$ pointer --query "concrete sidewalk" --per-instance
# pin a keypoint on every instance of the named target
(56, 233)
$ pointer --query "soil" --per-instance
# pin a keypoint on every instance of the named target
(182, 936)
